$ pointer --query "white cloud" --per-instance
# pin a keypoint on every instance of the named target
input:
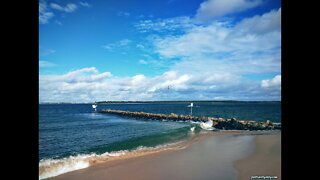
(259, 33)
(46, 51)
(141, 61)
(170, 79)
(165, 25)
(211, 9)
(124, 42)
(214, 60)
(44, 14)
(174, 36)
(122, 13)
(108, 46)
(272, 87)
(137, 80)
(140, 46)
(261, 24)
(56, 6)
(120, 44)
(80, 75)
(272, 83)
(85, 4)
(88, 85)
(154, 63)
(68, 8)
(45, 64)
(91, 84)
(80, 85)
(219, 47)
(218, 57)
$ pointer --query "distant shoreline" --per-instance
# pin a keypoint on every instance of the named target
(148, 102)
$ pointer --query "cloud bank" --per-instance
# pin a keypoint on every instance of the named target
(88, 85)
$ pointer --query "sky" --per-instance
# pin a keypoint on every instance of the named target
(125, 50)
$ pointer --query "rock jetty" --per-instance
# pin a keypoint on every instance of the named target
(219, 123)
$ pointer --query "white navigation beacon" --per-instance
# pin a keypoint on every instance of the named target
(191, 105)
(94, 106)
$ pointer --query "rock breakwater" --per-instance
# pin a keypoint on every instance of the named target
(219, 123)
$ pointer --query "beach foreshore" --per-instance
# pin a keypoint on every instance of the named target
(211, 155)
(265, 161)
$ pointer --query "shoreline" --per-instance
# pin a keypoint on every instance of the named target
(50, 168)
(195, 155)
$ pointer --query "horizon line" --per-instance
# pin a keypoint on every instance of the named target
(124, 101)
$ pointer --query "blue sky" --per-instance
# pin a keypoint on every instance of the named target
(159, 50)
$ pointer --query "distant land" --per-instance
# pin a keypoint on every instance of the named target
(146, 102)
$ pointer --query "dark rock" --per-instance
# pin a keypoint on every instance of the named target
(219, 123)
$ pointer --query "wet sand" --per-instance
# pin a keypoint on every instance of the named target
(266, 159)
(211, 157)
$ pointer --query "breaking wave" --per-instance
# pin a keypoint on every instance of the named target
(54, 167)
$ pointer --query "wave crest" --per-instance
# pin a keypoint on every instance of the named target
(54, 167)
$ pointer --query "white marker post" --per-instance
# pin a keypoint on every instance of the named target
(191, 105)
(94, 106)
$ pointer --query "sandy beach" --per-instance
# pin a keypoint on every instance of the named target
(266, 159)
(217, 155)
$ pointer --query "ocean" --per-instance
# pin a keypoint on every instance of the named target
(72, 134)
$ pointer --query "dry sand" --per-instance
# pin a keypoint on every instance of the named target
(266, 159)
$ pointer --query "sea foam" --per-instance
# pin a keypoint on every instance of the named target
(54, 167)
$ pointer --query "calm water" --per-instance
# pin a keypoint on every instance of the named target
(74, 129)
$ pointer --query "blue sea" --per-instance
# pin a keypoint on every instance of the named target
(69, 133)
